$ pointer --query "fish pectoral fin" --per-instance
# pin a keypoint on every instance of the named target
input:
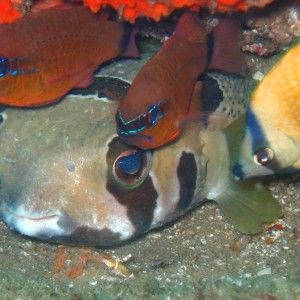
(195, 104)
(227, 55)
(79, 78)
(129, 47)
(248, 204)
(86, 81)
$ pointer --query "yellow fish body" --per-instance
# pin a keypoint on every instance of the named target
(272, 139)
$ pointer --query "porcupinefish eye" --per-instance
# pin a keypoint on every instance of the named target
(132, 167)
(263, 156)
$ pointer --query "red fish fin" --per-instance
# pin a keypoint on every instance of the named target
(82, 78)
(191, 27)
(128, 42)
(189, 125)
(85, 82)
(207, 119)
(218, 119)
(195, 106)
(227, 55)
(194, 112)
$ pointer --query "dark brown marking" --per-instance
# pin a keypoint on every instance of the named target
(187, 175)
(140, 201)
(211, 94)
(88, 237)
(82, 235)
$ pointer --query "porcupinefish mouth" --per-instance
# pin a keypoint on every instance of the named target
(36, 225)
(58, 227)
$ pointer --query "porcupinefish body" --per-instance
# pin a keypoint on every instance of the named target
(67, 177)
(224, 96)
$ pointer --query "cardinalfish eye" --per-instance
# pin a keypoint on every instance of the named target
(264, 156)
(142, 121)
(7, 69)
(132, 167)
(4, 66)
(154, 113)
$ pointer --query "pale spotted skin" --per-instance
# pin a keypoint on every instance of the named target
(225, 96)
(60, 186)
(58, 178)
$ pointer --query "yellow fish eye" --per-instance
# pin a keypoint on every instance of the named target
(132, 167)
(263, 156)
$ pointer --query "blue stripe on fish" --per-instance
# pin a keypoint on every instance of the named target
(255, 130)
(259, 142)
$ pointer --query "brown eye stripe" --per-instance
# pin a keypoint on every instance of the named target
(187, 176)
(140, 201)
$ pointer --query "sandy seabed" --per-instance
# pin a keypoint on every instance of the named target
(200, 256)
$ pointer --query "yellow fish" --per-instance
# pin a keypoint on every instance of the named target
(272, 139)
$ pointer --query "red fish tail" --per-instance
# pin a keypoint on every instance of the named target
(191, 28)
(227, 55)
(128, 46)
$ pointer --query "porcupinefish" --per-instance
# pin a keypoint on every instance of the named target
(73, 180)
(46, 53)
(156, 106)
(224, 97)
(272, 138)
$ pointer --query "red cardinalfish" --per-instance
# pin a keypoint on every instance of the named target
(149, 115)
(159, 100)
(47, 53)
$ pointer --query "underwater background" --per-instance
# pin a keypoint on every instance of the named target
(200, 255)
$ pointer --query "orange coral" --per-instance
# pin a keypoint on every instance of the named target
(8, 12)
(132, 9)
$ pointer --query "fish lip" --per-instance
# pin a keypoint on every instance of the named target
(34, 219)
(39, 226)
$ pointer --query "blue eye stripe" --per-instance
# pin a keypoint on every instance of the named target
(142, 121)
(255, 130)
(7, 69)
(122, 124)
(4, 66)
